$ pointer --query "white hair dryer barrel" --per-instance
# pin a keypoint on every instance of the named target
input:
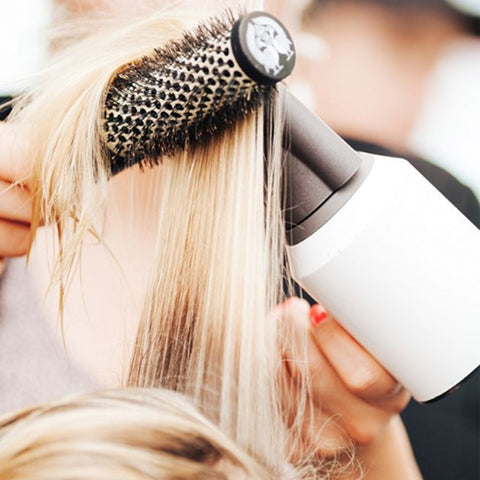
(394, 262)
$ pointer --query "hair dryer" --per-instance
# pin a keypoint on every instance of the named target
(394, 262)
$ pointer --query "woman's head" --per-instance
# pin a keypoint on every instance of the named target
(134, 434)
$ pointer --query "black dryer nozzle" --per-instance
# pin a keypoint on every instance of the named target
(319, 164)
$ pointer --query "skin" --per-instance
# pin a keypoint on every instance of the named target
(372, 81)
(15, 201)
(349, 385)
(353, 399)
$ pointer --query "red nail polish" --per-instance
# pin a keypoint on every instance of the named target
(317, 314)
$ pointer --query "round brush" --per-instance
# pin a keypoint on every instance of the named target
(196, 87)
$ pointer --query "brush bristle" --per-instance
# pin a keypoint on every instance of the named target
(181, 95)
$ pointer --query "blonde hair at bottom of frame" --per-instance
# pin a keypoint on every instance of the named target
(127, 434)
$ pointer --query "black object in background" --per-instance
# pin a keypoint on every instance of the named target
(4, 110)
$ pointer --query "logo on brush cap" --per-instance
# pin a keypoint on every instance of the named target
(263, 47)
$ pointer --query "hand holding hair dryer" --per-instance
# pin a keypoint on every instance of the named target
(393, 261)
(370, 238)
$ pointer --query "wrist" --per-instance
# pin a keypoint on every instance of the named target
(389, 456)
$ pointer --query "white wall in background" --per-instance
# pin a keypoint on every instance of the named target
(447, 131)
(23, 45)
(472, 7)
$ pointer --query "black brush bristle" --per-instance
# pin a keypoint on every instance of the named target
(183, 93)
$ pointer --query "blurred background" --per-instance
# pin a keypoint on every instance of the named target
(401, 73)
(23, 46)
(398, 77)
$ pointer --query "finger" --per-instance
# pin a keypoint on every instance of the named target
(338, 413)
(329, 395)
(312, 430)
(309, 369)
(334, 418)
(14, 163)
(319, 435)
(294, 316)
(14, 239)
(2, 266)
(304, 359)
(15, 203)
(328, 433)
(359, 371)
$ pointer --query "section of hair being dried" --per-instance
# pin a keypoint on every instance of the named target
(208, 328)
(62, 119)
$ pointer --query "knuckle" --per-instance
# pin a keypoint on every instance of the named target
(391, 388)
(18, 243)
(399, 403)
(25, 242)
(363, 433)
(363, 437)
(363, 381)
(398, 407)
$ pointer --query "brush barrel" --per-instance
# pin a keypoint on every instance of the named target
(399, 267)
(195, 89)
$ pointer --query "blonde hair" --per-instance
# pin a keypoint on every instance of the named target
(132, 434)
(205, 329)
(63, 119)
(218, 267)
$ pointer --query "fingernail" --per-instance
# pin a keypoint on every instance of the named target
(317, 314)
